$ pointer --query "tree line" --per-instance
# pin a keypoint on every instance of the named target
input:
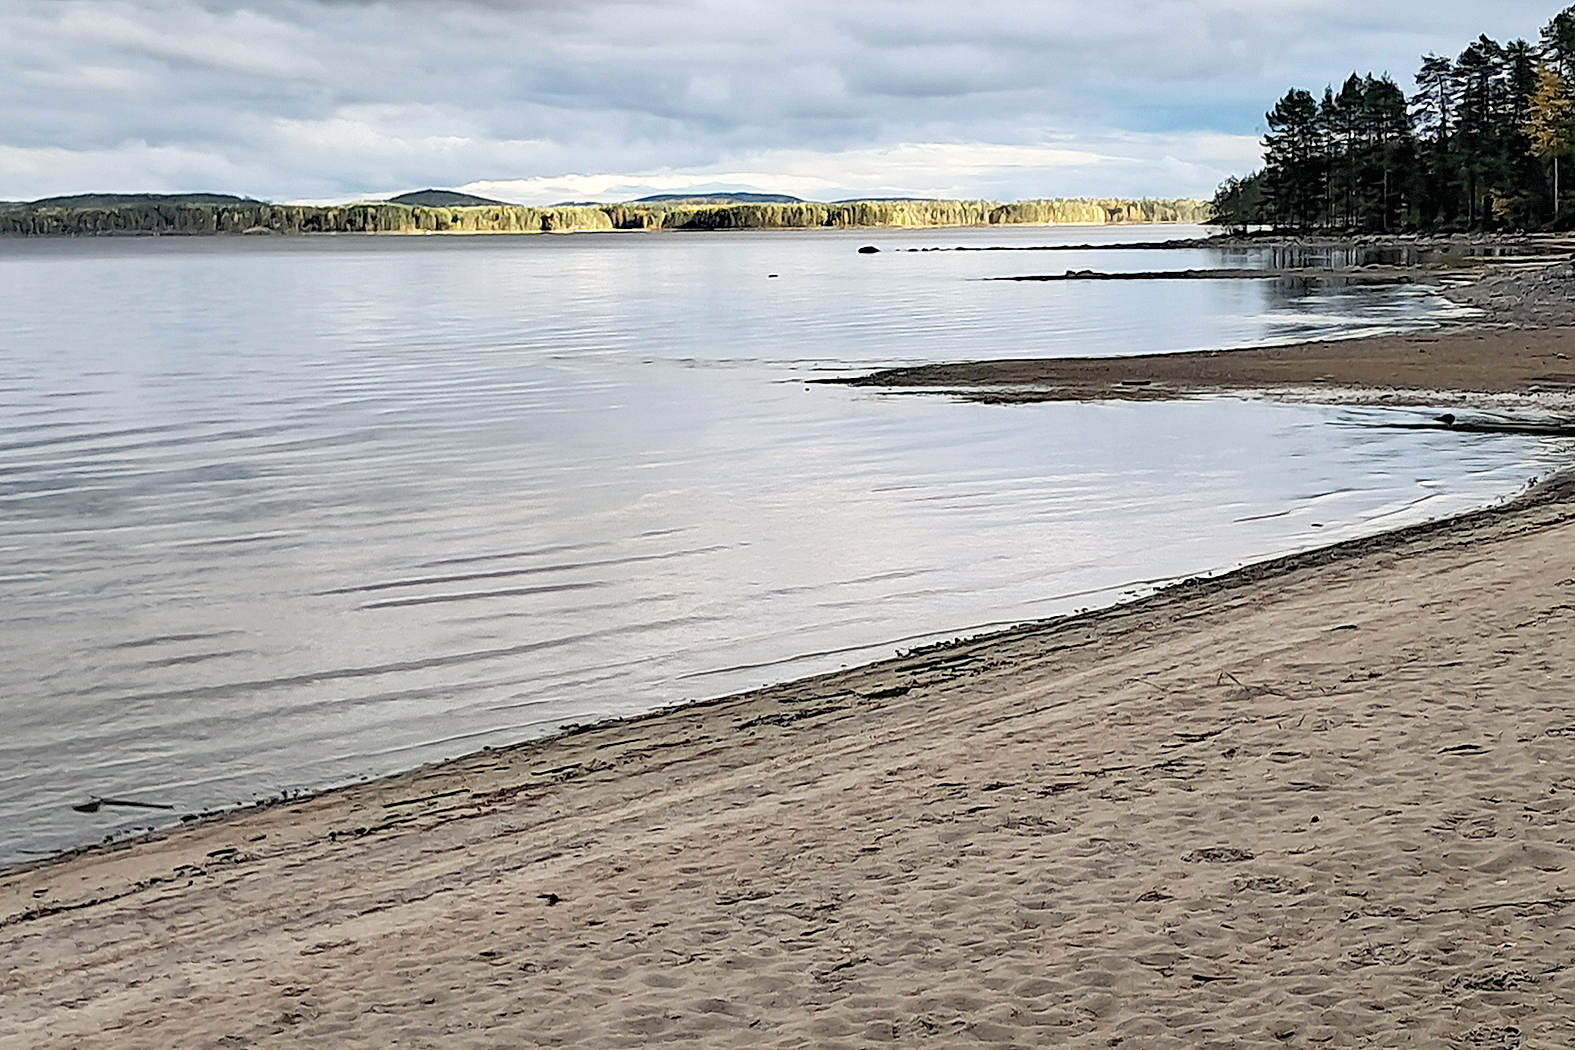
(1483, 143)
(105, 215)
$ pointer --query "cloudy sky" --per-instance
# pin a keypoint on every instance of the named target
(547, 100)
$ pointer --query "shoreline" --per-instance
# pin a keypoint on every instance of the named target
(1317, 799)
(986, 394)
(1555, 491)
(1286, 803)
(1518, 355)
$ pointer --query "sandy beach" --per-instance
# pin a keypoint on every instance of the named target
(1318, 802)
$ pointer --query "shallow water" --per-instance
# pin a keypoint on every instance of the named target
(278, 514)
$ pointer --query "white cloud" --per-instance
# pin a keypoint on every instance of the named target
(115, 79)
(311, 98)
(1142, 165)
(30, 173)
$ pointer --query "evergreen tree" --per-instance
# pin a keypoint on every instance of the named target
(1479, 145)
(1435, 107)
(1342, 117)
(1479, 72)
(1558, 43)
(1389, 150)
(1295, 169)
(1435, 103)
(1525, 180)
(1239, 203)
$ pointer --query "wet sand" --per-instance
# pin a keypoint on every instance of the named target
(1307, 275)
(1517, 352)
(1319, 802)
(1498, 366)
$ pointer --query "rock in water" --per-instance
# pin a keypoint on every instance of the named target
(869, 249)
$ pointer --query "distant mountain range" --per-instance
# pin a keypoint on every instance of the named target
(130, 200)
(442, 199)
(720, 198)
(694, 198)
(428, 198)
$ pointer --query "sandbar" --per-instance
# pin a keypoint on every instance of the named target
(1500, 366)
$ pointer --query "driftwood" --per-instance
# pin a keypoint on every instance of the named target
(92, 805)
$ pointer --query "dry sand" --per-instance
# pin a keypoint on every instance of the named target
(1316, 803)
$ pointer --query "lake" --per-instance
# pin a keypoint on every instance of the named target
(283, 513)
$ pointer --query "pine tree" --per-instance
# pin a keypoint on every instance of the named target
(1343, 118)
(1435, 106)
(1558, 43)
(1389, 148)
(1522, 175)
(1239, 203)
(1480, 75)
(1295, 168)
(1473, 148)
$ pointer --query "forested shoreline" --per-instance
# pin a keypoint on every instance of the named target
(214, 215)
(1482, 144)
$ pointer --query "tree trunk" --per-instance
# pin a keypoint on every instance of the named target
(1385, 204)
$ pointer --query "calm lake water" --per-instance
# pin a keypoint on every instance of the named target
(278, 514)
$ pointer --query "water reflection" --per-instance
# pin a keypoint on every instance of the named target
(1345, 256)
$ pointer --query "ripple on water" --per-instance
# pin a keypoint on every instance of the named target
(281, 516)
